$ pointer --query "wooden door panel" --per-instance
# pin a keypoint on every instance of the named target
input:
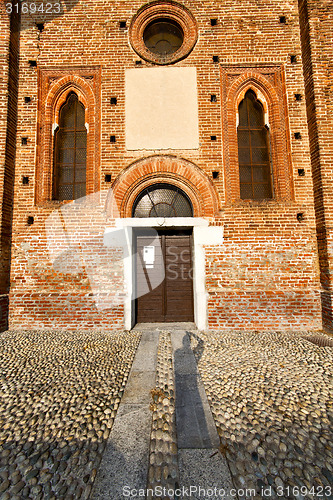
(181, 281)
(179, 287)
(171, 299)
(149, 286)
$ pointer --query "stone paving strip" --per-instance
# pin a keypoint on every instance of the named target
(271, 395)
(163, 459)
(59, 396)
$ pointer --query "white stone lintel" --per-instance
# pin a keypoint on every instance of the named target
(157, 222)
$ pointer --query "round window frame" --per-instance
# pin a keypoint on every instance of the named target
(163, 10)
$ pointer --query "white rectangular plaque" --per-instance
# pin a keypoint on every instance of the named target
(161, 109)
(149, 256)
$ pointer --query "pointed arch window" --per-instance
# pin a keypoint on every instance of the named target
(253, 150)
(70, 151)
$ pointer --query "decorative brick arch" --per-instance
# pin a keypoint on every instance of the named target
(51, 102)
(58, 94)
(156, 169)
(269, 92)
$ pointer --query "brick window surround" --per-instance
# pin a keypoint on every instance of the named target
(54, 87)
(162, 169)
(269, 86)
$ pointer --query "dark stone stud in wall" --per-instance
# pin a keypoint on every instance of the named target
(113, 101)
(27, 99)
(300, 217)
(30, 220)
(107, 178)
(112, 138)
(283, 19)
(293, 59)
(297, 135)
(213, 137)
(216, 59)
(215, 174)
(301, 172)
(213, 98)
(24, 141)
(122, 24)
(213, 22)
(40, 26)
(25, 180)
(298, 97)
(32, 64)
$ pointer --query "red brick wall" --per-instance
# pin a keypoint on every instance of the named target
(317, 38)
(262, 280)
(267, 253)
(65, 276)
(68, 312)
(9, 42)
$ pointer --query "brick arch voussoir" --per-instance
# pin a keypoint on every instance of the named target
(255, 81)
(177, 171)
(58, 94)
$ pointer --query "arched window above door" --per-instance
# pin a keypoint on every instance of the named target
(70, 151)
(253, 150)
(162, 200)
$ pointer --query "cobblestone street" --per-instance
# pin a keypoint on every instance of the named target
(271, 395)
(59, 396)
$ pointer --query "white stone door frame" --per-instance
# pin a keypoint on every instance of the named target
(203, 235)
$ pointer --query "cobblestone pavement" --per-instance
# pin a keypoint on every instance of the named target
(59, 394)
(271, 395)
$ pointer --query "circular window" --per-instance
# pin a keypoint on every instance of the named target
(162, 200)
(163, 32)
(163, 37)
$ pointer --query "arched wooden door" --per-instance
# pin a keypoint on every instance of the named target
(164, 270)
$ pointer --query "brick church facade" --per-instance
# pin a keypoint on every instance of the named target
(135, 133)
